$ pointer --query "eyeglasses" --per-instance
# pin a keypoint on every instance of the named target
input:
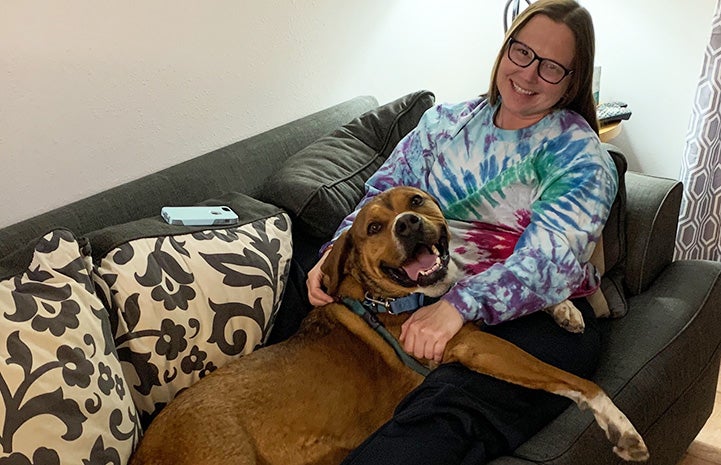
(522, 55)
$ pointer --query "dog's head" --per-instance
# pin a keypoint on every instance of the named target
(397, 245)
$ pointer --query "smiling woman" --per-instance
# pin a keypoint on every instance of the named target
(521, 168)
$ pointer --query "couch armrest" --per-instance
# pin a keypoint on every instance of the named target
(652, 210)
(659, 364)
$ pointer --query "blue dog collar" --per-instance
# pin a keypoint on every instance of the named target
(409, 303)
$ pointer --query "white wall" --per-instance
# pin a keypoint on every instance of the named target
(651, 53)
(93, 94)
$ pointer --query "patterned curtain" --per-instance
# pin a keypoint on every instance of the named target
(699, 233)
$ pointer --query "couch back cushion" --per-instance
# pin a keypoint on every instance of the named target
(324, 182)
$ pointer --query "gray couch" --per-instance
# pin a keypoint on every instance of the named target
(660, 361)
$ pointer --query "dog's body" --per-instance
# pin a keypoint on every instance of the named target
(316, 396)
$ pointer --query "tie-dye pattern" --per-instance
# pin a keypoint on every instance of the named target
(525, 207)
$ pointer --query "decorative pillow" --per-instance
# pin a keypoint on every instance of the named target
(187, 300)
(64, 398)
(324, 182)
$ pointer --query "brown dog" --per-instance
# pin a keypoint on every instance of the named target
(316, 396)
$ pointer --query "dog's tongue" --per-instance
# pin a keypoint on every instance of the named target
(422, 261)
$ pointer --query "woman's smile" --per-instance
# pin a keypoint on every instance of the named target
(520, 89)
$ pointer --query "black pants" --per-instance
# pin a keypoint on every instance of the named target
(457, 416)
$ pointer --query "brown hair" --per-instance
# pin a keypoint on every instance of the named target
(579, 96)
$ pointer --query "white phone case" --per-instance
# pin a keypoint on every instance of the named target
(199, 216)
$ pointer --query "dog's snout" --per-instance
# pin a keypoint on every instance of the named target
(407, 225)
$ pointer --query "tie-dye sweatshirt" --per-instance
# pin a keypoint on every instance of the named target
(525, 207)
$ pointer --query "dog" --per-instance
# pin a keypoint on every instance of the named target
(567, 316)
(316, 396)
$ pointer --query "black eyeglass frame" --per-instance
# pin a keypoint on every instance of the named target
(566, 71)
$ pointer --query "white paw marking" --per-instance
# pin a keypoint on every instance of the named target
(567, 316)
(628, 444)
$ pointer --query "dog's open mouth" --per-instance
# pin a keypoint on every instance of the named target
(427, 266)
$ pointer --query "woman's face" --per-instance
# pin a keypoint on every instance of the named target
(525, 97)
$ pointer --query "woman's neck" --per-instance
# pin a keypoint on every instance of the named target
(508, 121)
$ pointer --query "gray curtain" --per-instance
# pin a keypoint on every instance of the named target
(699, 233)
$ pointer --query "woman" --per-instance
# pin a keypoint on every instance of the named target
(526, 187)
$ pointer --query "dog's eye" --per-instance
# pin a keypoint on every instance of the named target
(417, 201)
(374, 228)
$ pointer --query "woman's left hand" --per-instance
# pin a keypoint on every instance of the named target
(426, 333)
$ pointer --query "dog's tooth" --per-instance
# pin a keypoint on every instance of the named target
(432, 269)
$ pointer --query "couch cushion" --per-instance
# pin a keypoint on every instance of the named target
(614, 242)
(187, 300)
(322, 183)
(64, 397)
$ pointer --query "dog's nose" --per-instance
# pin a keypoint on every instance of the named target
(407, 225)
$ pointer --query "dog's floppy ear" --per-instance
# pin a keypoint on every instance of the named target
(334, 265)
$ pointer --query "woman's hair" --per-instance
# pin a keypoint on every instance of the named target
(579, 96)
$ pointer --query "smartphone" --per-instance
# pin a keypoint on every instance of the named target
(199, 216)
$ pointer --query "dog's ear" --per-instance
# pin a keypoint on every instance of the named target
(334, 265)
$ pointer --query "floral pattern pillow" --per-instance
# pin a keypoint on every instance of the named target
(64, 398)
(186, 304)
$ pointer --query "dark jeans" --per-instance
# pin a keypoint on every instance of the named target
(457, 416)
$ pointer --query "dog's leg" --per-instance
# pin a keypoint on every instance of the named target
(567, 316)
(490, 355)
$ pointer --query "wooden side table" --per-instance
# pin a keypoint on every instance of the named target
(609, 131)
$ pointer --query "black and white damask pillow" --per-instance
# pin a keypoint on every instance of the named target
(186, 304)
(64, 397)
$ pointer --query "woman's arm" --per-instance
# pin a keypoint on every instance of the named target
(550, 259)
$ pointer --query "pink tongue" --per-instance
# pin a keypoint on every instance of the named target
(421, 262)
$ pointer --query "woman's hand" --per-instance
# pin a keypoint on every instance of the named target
(314, 282)
(426, 333)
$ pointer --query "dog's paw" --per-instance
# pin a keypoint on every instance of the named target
(567, 316)
(627, 443)
(631, 447)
